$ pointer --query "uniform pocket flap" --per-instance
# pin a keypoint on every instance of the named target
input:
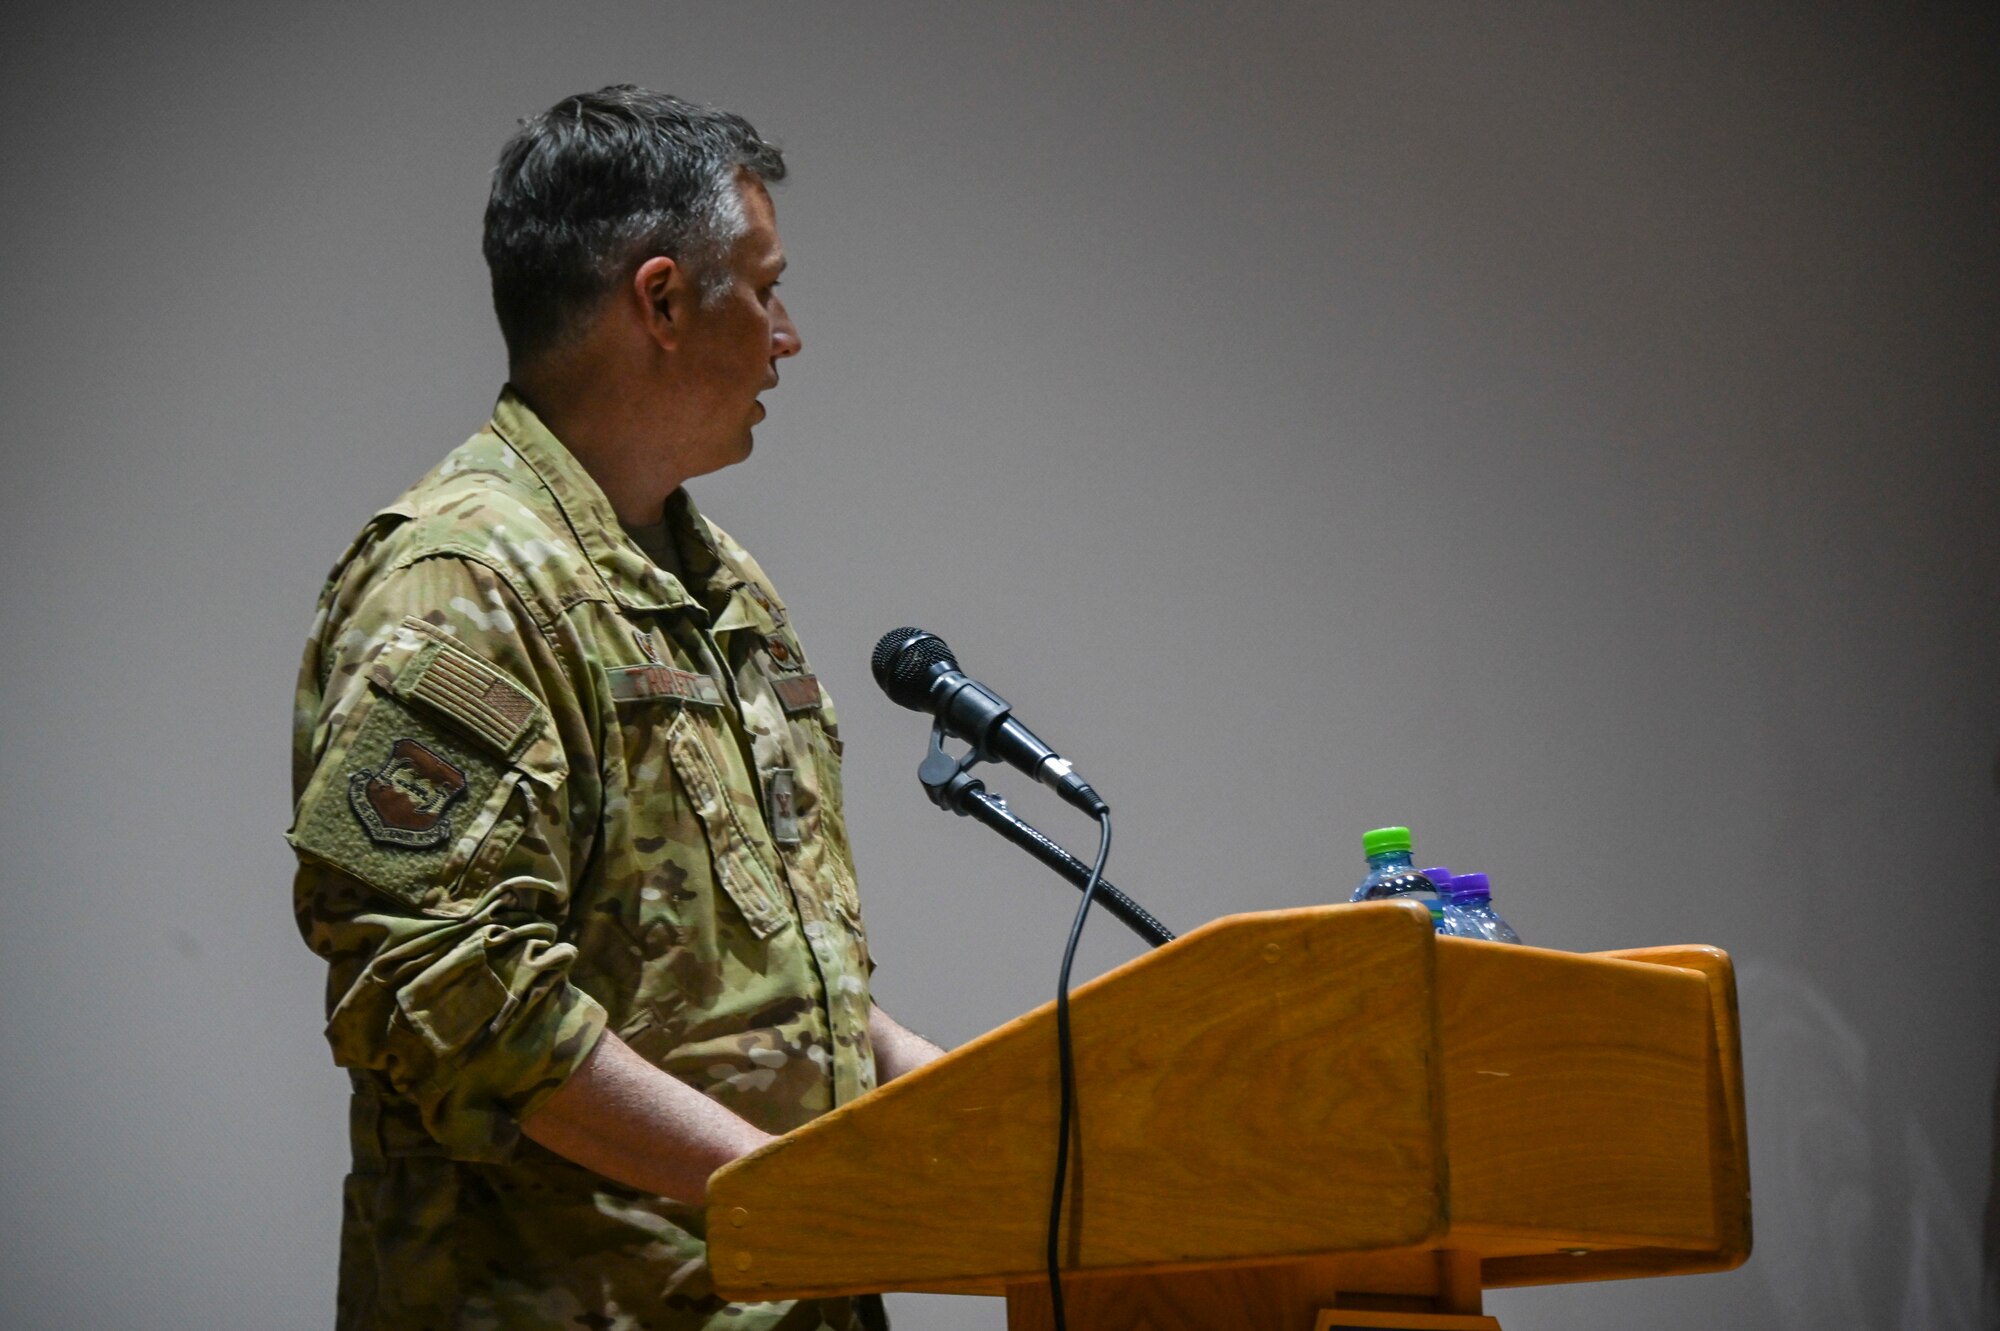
(740, 866)
(455, 998)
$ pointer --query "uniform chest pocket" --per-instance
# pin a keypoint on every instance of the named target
(727, 812)
(833, 823)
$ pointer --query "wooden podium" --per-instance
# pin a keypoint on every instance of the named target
(1300, 1119)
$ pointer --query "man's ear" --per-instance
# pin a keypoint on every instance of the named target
(665, 298)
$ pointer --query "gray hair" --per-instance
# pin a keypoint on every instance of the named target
(597, 184)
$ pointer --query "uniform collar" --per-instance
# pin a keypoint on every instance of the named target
(632, 580)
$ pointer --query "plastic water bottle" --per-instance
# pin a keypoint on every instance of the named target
(1455, 922)
(1471, 899)
(1392, 872)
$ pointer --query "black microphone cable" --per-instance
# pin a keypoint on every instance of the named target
(917, 670)
(1066, 1069)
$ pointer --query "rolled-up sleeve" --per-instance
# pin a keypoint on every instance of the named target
(435, 854)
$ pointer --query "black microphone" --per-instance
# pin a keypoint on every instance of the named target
(917, 670)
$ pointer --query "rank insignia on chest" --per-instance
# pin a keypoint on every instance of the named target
(771, 607)
(404, 801)
(783, 654)
(784, 807)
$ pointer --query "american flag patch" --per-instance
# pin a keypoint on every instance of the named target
(480, 697)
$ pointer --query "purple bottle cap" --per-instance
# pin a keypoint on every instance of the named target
(1473, 886)
(1440, 878)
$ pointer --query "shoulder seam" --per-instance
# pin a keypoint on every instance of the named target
(543, 617)
(552, 639)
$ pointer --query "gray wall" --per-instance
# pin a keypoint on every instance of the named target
(1569, 431)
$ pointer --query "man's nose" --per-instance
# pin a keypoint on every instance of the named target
(785, 339)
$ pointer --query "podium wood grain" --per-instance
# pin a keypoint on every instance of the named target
(1264, 1086)
(1334, 1094)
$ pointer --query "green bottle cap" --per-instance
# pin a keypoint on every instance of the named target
(1384, 839)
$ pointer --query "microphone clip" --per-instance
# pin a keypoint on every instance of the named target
(948, 780)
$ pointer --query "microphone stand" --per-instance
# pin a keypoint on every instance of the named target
(950, 784)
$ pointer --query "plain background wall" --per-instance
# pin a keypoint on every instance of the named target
(1569, 430)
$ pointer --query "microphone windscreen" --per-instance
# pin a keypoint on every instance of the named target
(906, 660)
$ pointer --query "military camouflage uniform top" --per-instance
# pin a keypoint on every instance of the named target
(546, 789)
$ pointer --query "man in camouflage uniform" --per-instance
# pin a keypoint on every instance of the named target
(569, 817)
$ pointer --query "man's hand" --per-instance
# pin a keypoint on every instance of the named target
(627, 1120)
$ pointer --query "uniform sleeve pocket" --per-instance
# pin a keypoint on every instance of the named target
(743, 873)
(419, 779)
(402, 803)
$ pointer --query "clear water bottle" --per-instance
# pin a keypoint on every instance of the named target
(1471, 899)
(1392, 872)
(1455, 921)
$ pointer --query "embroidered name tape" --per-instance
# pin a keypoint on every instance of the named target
(644, 682)
(798, 693)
